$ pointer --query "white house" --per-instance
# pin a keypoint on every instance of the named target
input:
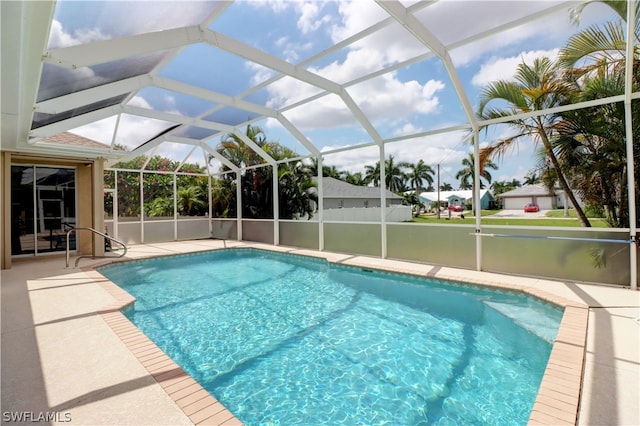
(456, 198)
(517, 198)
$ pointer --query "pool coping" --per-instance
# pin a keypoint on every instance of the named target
(557, 401)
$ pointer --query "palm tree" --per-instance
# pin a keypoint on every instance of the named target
(372, 174)
(418, 174)
(256, 183)
(354, 178)
(394, 176)
(298, 196)
(327, 171)
(468, 171)
(446, 187)
(536, 87)
(591, 146)
(600, 47)
(189, 199)
(531, 178)
(500, 187)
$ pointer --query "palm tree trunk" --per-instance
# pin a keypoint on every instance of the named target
(563, 181)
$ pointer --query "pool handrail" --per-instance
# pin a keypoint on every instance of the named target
(92, 256)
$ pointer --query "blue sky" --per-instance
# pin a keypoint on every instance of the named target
(412, 99)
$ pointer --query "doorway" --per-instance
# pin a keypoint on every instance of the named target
(43, 209)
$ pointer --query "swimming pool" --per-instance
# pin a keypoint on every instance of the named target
(282, 339)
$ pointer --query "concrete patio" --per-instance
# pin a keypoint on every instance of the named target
(61, 358)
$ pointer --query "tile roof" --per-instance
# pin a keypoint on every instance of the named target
(527, 191)
(68, 138)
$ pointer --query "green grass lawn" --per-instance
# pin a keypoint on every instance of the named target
(557, 219)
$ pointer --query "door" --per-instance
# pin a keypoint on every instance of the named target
(43, 209)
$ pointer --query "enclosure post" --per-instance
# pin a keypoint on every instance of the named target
(116, 208)
(239, 205)
(631, 183)
(141, 195)
(210, 196)
(276, 224)
(383, 203)
(320, 204)
(175, 206)
(476, 198)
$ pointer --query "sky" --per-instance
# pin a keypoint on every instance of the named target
(414, 98)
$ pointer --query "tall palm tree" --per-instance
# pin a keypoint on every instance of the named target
(418, 174)
(536, 87)
(395, 177)
(372, 174)
(467, 173)
(600, 47)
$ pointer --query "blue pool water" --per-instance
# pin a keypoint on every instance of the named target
(288, 340)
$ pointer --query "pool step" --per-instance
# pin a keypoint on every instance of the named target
(527, 318)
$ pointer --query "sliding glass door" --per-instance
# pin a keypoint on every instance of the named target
(43, 209)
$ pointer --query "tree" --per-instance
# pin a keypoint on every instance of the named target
(592, 142)
(600, 47)
(297, 191)
(354, 178)
(395, 178)
(327, 171)
(418, 174)
(467, 173)
(536, 87)
(531, 178)
(189, 199)
(591, 146)
(446, 187)
(372, 174)
(295, 179)
(500, 187)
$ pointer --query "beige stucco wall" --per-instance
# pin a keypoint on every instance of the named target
(89, 193)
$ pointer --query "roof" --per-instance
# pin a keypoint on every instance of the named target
(528, 191)
(335, 188)
(466, 194)
(68, 138)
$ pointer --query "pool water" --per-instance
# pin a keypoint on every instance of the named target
(289, 340)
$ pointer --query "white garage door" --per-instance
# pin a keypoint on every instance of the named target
(545, 203)
(516, 203)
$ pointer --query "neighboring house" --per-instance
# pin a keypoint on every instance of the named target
(456, 198)
(339, 194)
(517, 198)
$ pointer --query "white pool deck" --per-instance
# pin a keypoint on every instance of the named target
(67, 354)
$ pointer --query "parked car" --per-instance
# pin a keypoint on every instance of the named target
(456, 208)
(531, 208)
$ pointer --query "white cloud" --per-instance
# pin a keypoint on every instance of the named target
(496, 68)
(310, 16)
(386, 97)
(59, 38)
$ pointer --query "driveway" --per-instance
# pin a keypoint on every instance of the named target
(519, 213)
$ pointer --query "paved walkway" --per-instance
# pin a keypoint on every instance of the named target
(60, 357)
